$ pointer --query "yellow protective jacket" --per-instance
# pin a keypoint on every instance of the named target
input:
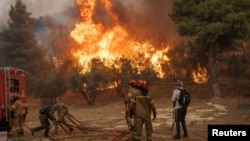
(142, 105)
(131, 92)
(17, 108)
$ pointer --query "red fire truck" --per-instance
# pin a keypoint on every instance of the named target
(12, 81)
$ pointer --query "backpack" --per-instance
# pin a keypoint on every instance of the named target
(184, 98)
(45, 109)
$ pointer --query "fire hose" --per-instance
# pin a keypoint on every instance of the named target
(92, 128)
(77, 124)
(120, 136)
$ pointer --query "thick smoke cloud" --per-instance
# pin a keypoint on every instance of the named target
(145, 20)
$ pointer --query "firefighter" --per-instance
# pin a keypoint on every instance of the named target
(46, 114)
(133, 89)
(62, 110)
(143, 105)
(16, 108)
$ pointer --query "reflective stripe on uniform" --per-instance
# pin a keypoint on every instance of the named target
(139, 97)
(142, 96)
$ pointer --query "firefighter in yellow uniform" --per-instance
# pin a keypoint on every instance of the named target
(143, 106)
(62, 110)
(133, 89)
(16, 108)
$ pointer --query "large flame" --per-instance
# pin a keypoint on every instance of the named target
(98, 41)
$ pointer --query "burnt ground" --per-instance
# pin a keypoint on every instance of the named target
(104, 121)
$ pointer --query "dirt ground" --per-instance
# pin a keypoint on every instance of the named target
(104, 121)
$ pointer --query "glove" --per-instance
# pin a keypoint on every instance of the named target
(154, 116)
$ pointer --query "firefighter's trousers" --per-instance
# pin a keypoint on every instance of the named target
(18, 124)
(139, 122)
(44, 120)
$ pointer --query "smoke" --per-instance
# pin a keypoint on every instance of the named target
(36, 7)
(146, 20)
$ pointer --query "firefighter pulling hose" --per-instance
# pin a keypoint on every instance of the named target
(47, 112)
(62, 110)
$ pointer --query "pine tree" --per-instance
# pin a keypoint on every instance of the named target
(19, 47)
(215, 26)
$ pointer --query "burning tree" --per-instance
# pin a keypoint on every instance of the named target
(102, 36)
(214, 25)
(98, 77)
(121, 72)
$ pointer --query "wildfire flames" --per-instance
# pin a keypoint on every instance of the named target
(98, 41)
(200, 75)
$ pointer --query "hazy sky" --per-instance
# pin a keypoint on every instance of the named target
(36, 7)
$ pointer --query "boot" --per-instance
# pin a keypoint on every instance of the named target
(185, 136)
(177, 137)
